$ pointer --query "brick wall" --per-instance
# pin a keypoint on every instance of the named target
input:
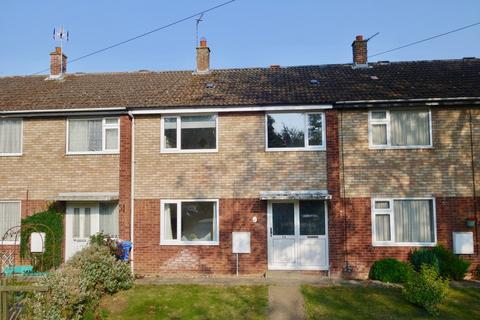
(336, 218)
(44, 170)
(240, 169)
(451, 213)
(125, 175)
(444, 172)
(234, 215)
(445, 169)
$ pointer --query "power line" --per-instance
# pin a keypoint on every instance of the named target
(144, 34)
(426, 39)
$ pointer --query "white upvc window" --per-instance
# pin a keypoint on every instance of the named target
(11, 136)
(10, 217)
(189, 222)
(189, 133)
(404, 222)
(295, 131)
(93, 135)
(400, 129)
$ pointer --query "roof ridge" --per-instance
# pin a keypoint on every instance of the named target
(146, 71)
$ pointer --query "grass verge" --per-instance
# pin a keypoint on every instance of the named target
(186, 302)
(349, 302)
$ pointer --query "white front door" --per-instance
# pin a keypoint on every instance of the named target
(82, 221)
(297, 235)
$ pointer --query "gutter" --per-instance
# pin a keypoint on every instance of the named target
(177, 110)
(132, 194)
(408, 102)
(63, 112)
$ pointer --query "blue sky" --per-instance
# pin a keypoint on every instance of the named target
(246, 33)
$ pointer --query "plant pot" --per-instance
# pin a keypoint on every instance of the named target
(471, 223)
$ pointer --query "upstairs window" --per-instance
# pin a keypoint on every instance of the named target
(10, 137)
(400, 128)
(295, 131)
(407, 222)
(189, 133)
(99, 135)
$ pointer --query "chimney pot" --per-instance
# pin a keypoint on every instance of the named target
(58, 63)
(360, 53)
(203, 57)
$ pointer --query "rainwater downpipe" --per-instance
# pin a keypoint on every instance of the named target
(474, 191)
(132, 193)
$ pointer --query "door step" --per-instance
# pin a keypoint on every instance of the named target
(303, 276)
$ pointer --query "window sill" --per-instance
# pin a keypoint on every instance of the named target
(400, 147)
(189, 243)
(190, 151)
(294, 149)
(92, 153)
(404, 244)
(11, 154)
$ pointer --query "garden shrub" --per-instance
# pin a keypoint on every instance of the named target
(390, 270)
(424, 256)
(78, 285)
(451, 265)
(426, 289)
(50, 222)
(102, 239)
(445, 262)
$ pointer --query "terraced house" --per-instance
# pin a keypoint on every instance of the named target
(322, 168)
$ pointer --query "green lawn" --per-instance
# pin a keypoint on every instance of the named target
(186, 302)
(360, 302)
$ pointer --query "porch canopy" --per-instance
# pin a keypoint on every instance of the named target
(86, 196)
(295, 195)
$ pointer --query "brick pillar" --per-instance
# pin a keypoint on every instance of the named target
(335, 214)
(125, 176)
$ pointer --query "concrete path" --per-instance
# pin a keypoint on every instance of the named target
(285, 302)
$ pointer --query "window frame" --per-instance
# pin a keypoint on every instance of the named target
(15, 154)
(179, 149)
(12, 242)
(386, 121)
(392, 242)
(105, 126)
(176, 242)
(307, 147)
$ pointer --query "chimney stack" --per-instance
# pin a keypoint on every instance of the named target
(203, 57)
(58, 63)
(359, 47)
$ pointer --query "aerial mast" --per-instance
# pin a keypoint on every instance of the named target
(60, 34)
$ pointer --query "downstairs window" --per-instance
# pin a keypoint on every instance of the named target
(10, 216)
(407, 222)
(189, 222)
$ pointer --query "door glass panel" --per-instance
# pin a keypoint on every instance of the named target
(312, 218)
(108, 218)
(76, 222)
(283, 219)
(86, 223)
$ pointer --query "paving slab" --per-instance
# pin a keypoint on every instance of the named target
(285, 302)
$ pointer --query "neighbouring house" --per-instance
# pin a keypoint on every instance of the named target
(327, 167)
